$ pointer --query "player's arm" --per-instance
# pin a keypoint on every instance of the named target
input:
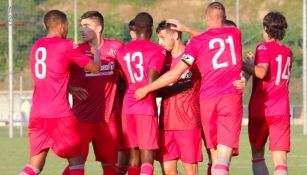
(94, 65)
(78, 92)
(152, 75)
(169, 77)
(259, 70)
(182, 27)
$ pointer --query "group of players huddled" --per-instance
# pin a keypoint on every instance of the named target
(115, 85)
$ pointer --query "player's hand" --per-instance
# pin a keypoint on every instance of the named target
(78, 92)
(179, 25)
(140, 93)
(240, 84)
(250, 58)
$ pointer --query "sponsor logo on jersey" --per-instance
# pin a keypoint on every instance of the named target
(261, 47)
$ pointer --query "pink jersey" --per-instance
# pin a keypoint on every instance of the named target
(270, 96)
(218, 55)
(180, 101)
(101, 87)
(136, 59)
(50, 59)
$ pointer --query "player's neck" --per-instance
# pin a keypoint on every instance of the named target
(270, 40)
(54, 34)
(215, 24)
(142, 36)
(98, 41)
(178, 49)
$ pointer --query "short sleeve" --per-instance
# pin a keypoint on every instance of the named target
(157, 60)
(75, 55)
(262, 54)
(190, 53)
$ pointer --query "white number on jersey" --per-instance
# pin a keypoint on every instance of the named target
(222, 43)
(40, 65)
(285, 74)
(136, 56)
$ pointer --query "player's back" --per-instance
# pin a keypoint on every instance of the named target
(271, 93)
(218, 54)
(50, 59)
(136, 59)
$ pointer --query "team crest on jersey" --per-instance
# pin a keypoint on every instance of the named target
(261, 47)
(75, 45)
(164, 52)
(111, 53)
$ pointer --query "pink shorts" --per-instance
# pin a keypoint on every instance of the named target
(180, 144)
(104, 139)
(277, 128)
(221, 120)
(140, 131)
(59, 134)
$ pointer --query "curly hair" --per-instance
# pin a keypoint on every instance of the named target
(275, 25)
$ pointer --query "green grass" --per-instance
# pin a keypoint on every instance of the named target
(14, 155)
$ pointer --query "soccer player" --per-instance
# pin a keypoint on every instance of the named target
(180, 126)
(218, 55)
(52, 123)
(95, 110)
(269, 107)
(141, 62)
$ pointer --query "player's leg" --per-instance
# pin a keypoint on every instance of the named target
(189, 143)
(134, 162)
(169, 167)
(279, 127)
(168, 152)
(209, 164)
(66, 140)
(87, 132)
(130, 141)
(229, 109)
(39, 146)
(258, 133)
(208, 113)
(106, 153)
(122, 157)
(147, 133)
(36, 164)
(122, 162)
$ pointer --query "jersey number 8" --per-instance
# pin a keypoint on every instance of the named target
(40, 65)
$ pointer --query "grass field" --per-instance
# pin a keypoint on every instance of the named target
(14, 155)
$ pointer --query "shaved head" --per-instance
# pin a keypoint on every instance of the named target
(54, 18)
(215, 15)
(216, 10)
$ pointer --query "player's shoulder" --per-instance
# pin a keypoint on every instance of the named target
(114, 43)
(263, 46)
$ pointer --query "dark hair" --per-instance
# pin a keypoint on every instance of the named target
(163, 25)
(53, 18)
(229, 23)
(275, 25)
(94, 15)
(131, 25)
(142, 23)
(218, 6)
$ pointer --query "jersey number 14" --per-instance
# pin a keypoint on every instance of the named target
(282, 73)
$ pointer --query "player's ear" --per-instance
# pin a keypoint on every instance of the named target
(100, 29)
